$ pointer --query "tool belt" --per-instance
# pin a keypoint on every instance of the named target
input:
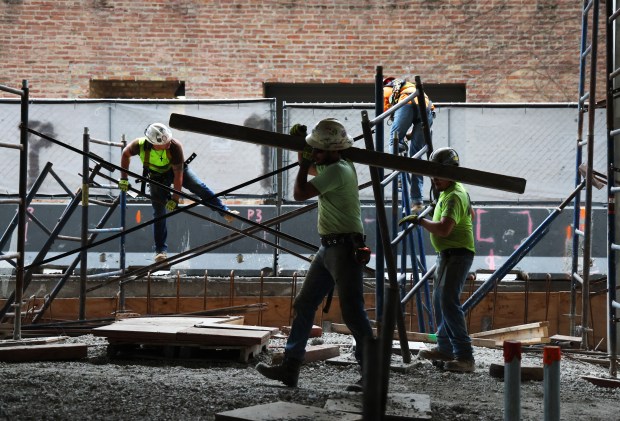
(456, 252)
(160, 177)
(361, 252)
(334, 239)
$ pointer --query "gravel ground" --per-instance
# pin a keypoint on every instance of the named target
(98, 388)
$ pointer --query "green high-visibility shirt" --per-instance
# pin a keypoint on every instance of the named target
(339, 201)
(454, 203)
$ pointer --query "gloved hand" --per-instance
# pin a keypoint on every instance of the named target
(171, 205)
(298, 130)
(123, 185)
(306, 155)
(410, 219)
(230, 218)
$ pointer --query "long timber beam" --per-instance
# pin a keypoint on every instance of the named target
(361, 156)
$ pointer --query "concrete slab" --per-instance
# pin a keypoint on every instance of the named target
(399, 406)
(285, 411)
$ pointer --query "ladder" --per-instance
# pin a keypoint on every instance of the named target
(409, 241)
(582, 219)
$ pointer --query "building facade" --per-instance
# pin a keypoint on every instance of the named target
(496, 51)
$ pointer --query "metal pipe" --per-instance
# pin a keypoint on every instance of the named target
(232, 288)
(260, 298)
(21, 225)
(612, 188)
(204, 299)
(84, 227)
(519, 253)
(149, 309)
(379, 250)
(123, 221)
(512, 380)
(178, 292)
(551, 382)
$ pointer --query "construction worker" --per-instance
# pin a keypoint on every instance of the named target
(452, 237)
(340, 260)
(163, 160)
(395, 91)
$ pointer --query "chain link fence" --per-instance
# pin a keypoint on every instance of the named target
(220, 163)
(533, 141)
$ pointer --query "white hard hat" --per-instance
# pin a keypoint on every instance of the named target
(330, 135)
(158, 134)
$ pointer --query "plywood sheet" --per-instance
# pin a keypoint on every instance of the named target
(183, 330)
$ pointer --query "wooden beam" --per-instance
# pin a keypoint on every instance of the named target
(43, 352)
(362, 156)
(528, 334)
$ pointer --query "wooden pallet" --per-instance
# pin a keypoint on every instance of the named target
(185, 337)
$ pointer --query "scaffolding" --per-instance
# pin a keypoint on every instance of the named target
(612, 72)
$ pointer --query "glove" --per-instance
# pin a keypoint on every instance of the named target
(171, 205)
(230, 218)
(410, 219)
(298, 130)
(123, 185)
(306, 155)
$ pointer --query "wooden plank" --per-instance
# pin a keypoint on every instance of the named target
(32, 341)
(362, 156)
(530, 327)
(224, 337)
(229, 326)
(528, 334)
(44, 352)
(313, 353)
(418, 337)
(527, 373)
(158, 324)
(602, 381)
(285, 411)
(181, 329)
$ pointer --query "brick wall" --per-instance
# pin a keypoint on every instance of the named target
(504, 51)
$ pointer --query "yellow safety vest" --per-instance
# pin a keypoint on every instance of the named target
(158, 161)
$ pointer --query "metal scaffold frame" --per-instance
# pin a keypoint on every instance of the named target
(23, 93)
(585, 173)
(612, 72)
(88, 236)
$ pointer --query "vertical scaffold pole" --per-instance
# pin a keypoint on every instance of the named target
(21, 223)
(84, 231)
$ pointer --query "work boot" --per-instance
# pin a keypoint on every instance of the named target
(287, 372)
(358, 386)
(461, 365)
(434, 354)
(161, 256)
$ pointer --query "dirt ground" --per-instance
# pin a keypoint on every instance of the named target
(98, 388)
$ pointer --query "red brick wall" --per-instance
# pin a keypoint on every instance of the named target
(504, 51)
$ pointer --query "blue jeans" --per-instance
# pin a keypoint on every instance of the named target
(334, 265)
(404, 117)
(450, 276)
(159, 197)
